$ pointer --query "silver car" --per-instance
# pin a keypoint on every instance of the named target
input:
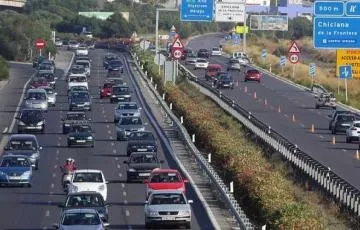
(80, 219)
(126, 109)
(167, 207)
(51, 95)
(190, 59)
(36, 99)
(126, 125)
(86, 64)
(234, 64)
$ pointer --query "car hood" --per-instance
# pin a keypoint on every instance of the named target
(80, 134)
(14, 170)
(121, 93)
(36, 101)
(85, 186)
(149, 166)
(130, 127)
(82, 227)
(168, 207)
(21, 152)
(141, 142)
(28, 120)
(164, 186)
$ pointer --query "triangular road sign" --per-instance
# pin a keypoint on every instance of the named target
(294, 48)
(177, 44)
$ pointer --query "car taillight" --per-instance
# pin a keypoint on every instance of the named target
(354, 128)
(102, 90)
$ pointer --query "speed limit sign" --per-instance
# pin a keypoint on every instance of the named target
(176, 53)
(294, 58)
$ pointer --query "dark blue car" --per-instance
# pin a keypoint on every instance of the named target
(15, 170)
(115, 65)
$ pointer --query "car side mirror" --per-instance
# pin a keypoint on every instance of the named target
(190, 201)
(106, 182)
(140, 108)
(329, 116)
(126, 162)
(40, 148)
(186, 181)
(146, 181)
(89, 119)
(6, 148)
(56, 226)
(162, 161)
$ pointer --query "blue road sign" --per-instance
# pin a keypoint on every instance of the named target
(312, 69)
(336, 32)
(263, 53)
(197, 10)
(345, 72)
(352, 8)
(328, 8)
(282, 60)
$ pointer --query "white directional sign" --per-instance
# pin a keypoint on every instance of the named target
(229, 12)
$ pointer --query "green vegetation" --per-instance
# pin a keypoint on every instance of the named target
(263, 187)
(4, 69)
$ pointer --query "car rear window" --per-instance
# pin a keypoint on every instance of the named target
(165, 177)
(84, 200)
(346, 118)
(253, 71)
(88, 177)
(127, 106)
(167, 198)
(130, 121)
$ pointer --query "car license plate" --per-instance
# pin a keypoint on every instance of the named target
(80, 105)
(168, 218)
(120, 98)
(142, 150)
(108, 94)
(144, 174)
(80, 141)
(14, 177)
(31, 127)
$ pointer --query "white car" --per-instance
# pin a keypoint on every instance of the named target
(82, 50)
(86, 64)
(84, 180)
(77, 80)
(216, 51)
(353, 132)
(201, 63)
(73, 45)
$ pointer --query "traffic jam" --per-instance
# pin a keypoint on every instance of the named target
(86, 190)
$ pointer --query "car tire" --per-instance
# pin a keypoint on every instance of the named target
(101, 97)
(70, 108)
(348, 139)
(93, 145)
(334, 107)
(111, 101)
(148, 225)
(188, 225)
(37, 165)
(333, 131)
(28, 185)
(317, 106)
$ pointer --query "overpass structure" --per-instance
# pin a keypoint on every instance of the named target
(12, 3)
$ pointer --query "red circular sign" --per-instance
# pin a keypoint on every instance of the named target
(177, 53)
(294, 58)
(40, 43)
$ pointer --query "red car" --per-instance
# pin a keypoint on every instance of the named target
(253, 75)
(165, 179)
(105, 90)
(39, 82)
(211, 71)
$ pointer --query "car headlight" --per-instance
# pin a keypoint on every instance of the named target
(26, 175)
(102, 187)
(87, 103)
(40, 123)
(131, 170)
(90, 138)
(74, 188)
(67, 125)
(142, 129)
(113, 96)
(184, 212)
(153, 213)
(72, 138)
(21, 123)
(73, 103)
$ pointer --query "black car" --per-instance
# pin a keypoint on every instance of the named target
(85, 200)
(80, 100)
(335, 113)
(141, 141)
(223, 80)
(342, 122)
(203, 53)
(140, 165)
(73, 118)
(50, 78)
(120, 93)
(107, 60)
(115, 65)
(37, 61)
(31, 120)
(81, 135)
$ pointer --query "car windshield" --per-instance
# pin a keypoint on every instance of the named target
(80, 128)
(127, 106)
(346, 118)
(253, 71)
(36, 96)
(83, 63)
(86, 177)
(203, 51)
(164, 177)
(167, 198)
(15, 162)
(22, 145)
(116, 90)
(84, 200)
(82, 48)
(80, 96)
(75, 116)
(201, 60)
(26, 114)
(130, 121)
(108, 85)
(143, 158)
(73, 42)
(225, 77)
(216, 49)
(233, 61)
(78, 79)
(49, 91)
(44, 67)
(191, 55)
(81, 219)
(141, 136)
(77, 70)
(39, 81)
(116, 63)
(78, 88)
(357, 125)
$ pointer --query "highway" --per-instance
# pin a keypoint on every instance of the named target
(283, 103)
(36, 207)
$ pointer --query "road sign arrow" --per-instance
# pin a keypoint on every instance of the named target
(346, 72)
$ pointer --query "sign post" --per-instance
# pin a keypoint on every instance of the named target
(345, 72)
(264, 55)
(177, 50)
(312, 71)
(294, 55)
(40, 44)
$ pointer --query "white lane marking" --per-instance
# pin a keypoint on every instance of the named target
(286, 115)
(5, 130)
(58, 144)
(302, 125)
(112, 143)
(107, 126)
(47, 213)
(55, 166)
(125, 201)
(104, 115)
(106, 120)
(57, 158)
(344, 150)
(116, 158)
(124, 193)
(110, 137)
(52, 186)
(103, 111)
(122, 185)
(321, 136)
(114, 150)
(57, 151)
(54, 175)
(59, 138)
(272, 107)
(127, 212)
(120, 174)
(118, 166)
(109, 131)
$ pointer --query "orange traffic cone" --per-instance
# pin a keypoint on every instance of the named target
(255, 95)
(265, 102)
(293, 118)
(357, 155)
(333, 140)
(312, 128)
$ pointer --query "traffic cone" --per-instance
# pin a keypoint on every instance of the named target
(265, 102)
(279, 109)
(334, 140)
(357, 155)
(245, 89)
(312, 128)
(237, 83)
(293, 118)
(255, 95)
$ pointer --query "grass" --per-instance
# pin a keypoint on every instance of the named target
(325, 70)
(4, 69)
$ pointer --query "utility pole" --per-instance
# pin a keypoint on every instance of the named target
(244, 36)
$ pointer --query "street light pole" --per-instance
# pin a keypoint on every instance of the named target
(244, 36)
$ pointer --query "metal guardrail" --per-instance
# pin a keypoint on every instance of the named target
(336, 187)
(226, 196)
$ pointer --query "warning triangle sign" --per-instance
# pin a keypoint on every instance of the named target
(294, 48)
(177, 44)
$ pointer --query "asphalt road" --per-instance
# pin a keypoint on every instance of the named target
(285, 102)
(36, 207)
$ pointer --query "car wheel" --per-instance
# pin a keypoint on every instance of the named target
(317, 106)
(93, 145)
(245, 80)
(70, 108)
(333, 131)
(348, 140)
(101, 97)
(29, 185)
(68, 145)
(148, 225)
(188, 226)
(111, 101)
(334, 107)
(37, 165)
(259, 81)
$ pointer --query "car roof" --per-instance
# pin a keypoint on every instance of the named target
(80, 210)
(214, 66)
(88, 171)
(36, 90)
(83, 192)
(167, 191)
(22, 136)
(165, 170)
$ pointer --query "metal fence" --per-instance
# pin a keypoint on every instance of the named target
(336, 187)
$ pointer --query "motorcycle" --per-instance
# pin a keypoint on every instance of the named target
(66, 178)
